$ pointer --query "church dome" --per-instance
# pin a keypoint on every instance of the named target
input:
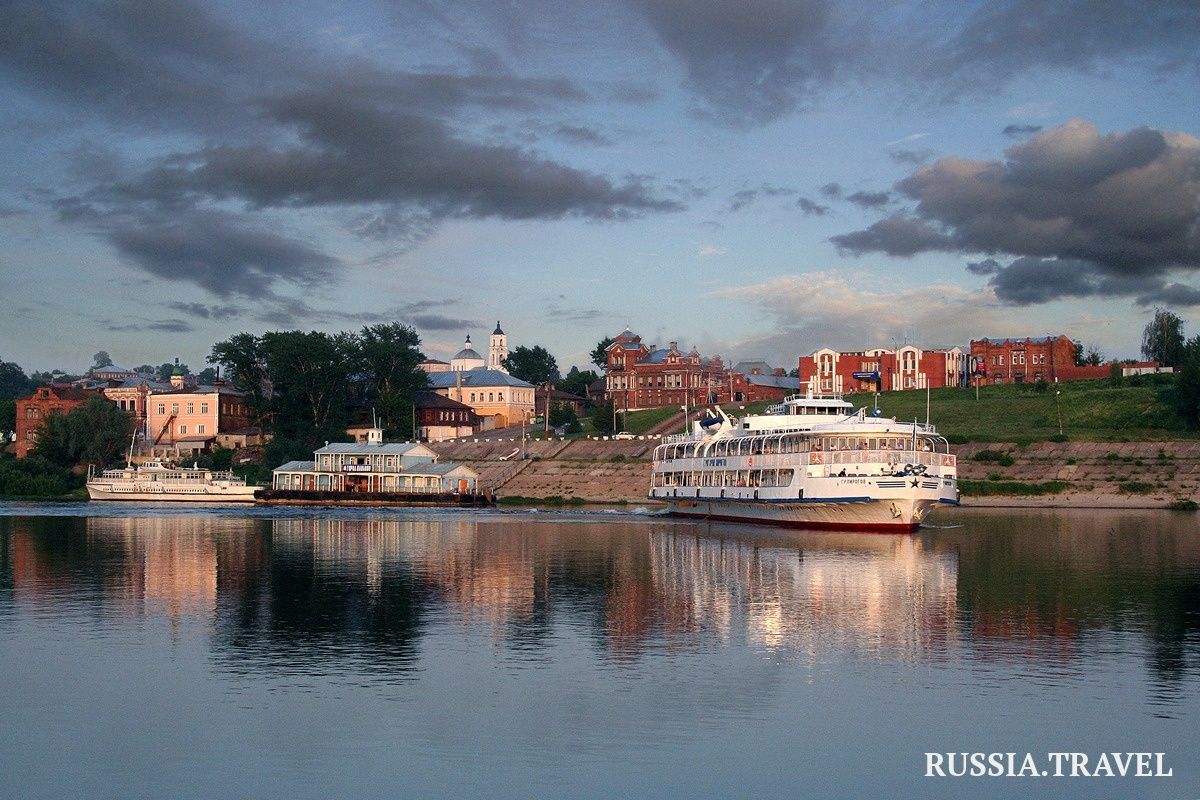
(467, 353)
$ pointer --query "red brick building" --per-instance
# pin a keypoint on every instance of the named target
(907, 367)
(640, 376)
(45, 400)
(1028, 360)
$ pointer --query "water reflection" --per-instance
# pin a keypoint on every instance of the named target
(317, 594)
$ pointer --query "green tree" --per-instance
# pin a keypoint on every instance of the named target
(1093, 357)
(388, 357)
(1188, 386)
(602, 418)
(1162, 338)
(244, 359)
(95, 433)
(13, 382)
(101, 360)
(310, 377)
(206, 376)
(8, 420)
(577, 381)
(167, 369)
(532, 364)
(1080, 355)
(561, 414)
(599, 355)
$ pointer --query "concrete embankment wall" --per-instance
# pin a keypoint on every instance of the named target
(614, 471)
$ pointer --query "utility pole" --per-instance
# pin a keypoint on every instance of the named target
(1058, 404)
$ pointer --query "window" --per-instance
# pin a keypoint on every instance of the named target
(174, 408)
(162, 409)
(32, 413)
(199, 429)
(182, 430)
(500, 396)
(191, 408)
(204, 408)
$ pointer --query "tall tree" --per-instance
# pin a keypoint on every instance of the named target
(13, 382)
(96, 433)
(244, 359)
(101, 359)
(310, 376)
(1093, 357)
(1162, 338)
(600, 353)
(578, 381)
(1188, 388)
(167, 369)
(206, 376)
(532, 364)
(387, 357)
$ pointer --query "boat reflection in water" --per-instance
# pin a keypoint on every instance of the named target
(310, 589)
(297, 593)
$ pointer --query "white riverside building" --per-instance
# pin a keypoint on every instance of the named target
(402, 467)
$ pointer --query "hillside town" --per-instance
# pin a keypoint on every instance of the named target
(180, 415)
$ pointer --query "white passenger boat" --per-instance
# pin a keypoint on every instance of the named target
(158, 482)
(812, 462)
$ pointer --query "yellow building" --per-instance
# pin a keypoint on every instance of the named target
(497, 398)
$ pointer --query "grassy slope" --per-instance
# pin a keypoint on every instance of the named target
(1091, 411)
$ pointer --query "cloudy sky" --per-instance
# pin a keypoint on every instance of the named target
(755, 177)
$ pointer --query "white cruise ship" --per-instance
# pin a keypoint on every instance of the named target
(810, 462)
(157, 482)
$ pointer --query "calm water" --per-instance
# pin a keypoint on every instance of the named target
(253, 653)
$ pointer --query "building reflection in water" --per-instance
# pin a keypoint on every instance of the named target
(361, 594)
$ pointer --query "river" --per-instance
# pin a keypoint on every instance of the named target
(200, 652)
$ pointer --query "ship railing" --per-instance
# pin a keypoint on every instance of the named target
(892, 457)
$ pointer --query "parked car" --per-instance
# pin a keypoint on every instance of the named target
(623, 435)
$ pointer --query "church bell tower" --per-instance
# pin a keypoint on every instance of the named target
(498, 349)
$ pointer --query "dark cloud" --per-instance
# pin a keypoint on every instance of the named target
(356, 153)
(1038, 280)
(897, 235)
(440, 322)
(811, 208)
(1170, 294)
(160, 325)
(206, 310)
(870, 199)
(831, 190)
(902, 156)
(1020, 131)
(165, 63)
(581, 134)
(744, 197)
(1121, 207)
(750, 61)
(989, 266)
(220, 253)
(1001, 40)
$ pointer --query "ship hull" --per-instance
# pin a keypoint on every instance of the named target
(238, 494)
(885, 515)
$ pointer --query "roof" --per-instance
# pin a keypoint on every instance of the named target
(110, 368)
(1022, 339)
(474, 378)
(393, 449)
(63, 392)
(142, 380)
(655, 357)
(747, 367)
(774, 381)
(297, 466)
(468, 352)
(435, 400)
(434, 361)
(436, 469)
(196, 438)
(204, 389)
(497, 332)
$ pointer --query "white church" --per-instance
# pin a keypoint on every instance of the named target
(497, 398)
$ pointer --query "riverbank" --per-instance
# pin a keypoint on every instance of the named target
(1042, 474)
